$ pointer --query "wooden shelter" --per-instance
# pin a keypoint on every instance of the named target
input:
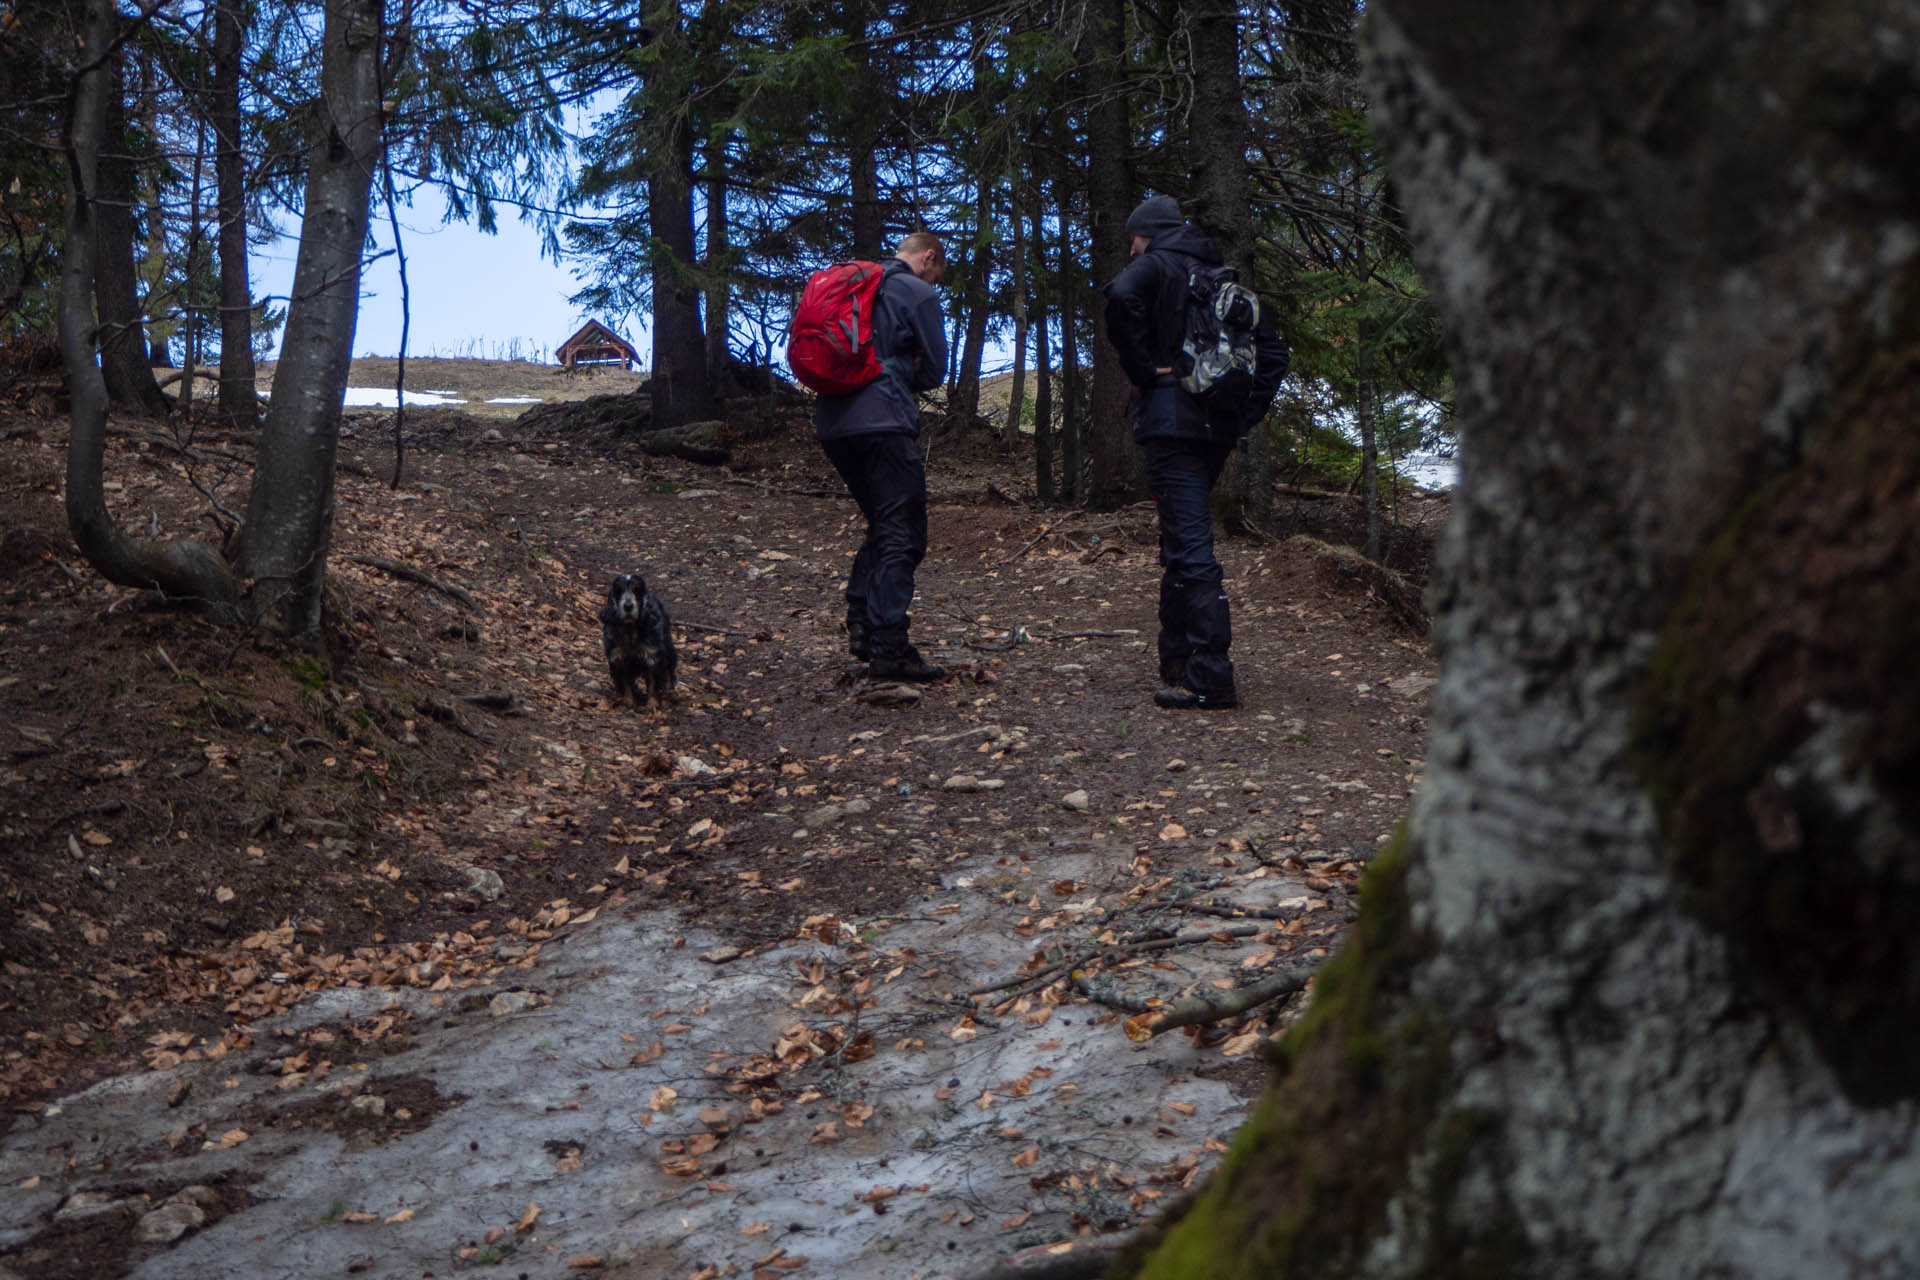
(596, 344)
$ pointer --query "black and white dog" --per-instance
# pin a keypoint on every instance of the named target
(639, 640)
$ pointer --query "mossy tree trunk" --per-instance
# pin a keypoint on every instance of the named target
(289, 526)
(182, 568)
(1639, 992)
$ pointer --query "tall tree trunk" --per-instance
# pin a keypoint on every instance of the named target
(290, 511)
(183, 569)
(1635, 994)
(1042, 356)
(1018, 391)
(718, 277)
(963, 402)
(162, 324)
(869, 228)
(1369, 440)
(193, 273)
(1223, 204)
(1073, 419)
(1116, 477)
(239, 403)
(123, 337)
(681, 393)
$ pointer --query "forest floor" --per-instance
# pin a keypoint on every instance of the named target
(431, 959)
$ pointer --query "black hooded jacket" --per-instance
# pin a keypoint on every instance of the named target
(1146, 318)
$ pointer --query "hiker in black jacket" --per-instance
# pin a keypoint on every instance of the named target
(1186, 445)
(869, 437)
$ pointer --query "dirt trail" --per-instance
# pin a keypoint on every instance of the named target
(713, 1018)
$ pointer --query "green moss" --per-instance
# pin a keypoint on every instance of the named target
(1787, 663)
(309, 671)
(1363, 1078)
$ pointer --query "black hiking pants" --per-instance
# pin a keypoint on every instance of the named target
(888, 479)
(1195, 631)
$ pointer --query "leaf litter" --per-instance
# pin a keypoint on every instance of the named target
(673, 911)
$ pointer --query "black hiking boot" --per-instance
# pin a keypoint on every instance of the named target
(859, 638)
(1181, 698)
(1173, 672)
(905, 665)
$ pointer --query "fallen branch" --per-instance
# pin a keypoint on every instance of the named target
(1079, 1259)
(792, 493)
(160, 441)
(501, 701)
(1110, 951)
(1240, 913)
(1201, 1007)
(434, 709)
(1037, 538)
(412, 574)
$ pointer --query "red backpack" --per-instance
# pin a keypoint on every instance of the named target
(830, 347)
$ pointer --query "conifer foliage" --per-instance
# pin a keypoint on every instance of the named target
(696, 159)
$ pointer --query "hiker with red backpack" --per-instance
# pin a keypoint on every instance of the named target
(1205, 367)
(869, 337)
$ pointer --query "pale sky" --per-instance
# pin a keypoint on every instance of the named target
(481, 296)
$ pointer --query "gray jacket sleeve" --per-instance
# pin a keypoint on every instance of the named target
(920, 336)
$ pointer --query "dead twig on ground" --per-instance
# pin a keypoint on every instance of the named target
(1081, 1258)
(1096, 957)
(434, 709)
(411, 574)
(1037, 538)
(1157, 1016)
(501, 701)
(774, 488)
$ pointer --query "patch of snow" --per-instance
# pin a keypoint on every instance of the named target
(1430, 471)
(382, 398)
(516, 400)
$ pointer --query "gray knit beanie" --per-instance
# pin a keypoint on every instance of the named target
(1155, 214)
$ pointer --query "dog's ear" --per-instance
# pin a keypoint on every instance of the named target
(639, 585)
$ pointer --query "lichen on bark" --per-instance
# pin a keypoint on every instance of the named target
(1354, 1116)
(1778, 731)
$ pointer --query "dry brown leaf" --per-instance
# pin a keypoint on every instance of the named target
(663, 1097)
(357, 1216)
(528, 1218)
(756, 1228)
(1025, 1159)
(1184, 1108)
(652, 1053)
(405, 1215)
(586, 1262)
(1245, 1042)
(1017, 1220)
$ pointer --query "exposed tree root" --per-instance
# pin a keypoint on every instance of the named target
(411, 574)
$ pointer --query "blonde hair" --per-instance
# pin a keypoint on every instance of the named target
(920, 242)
